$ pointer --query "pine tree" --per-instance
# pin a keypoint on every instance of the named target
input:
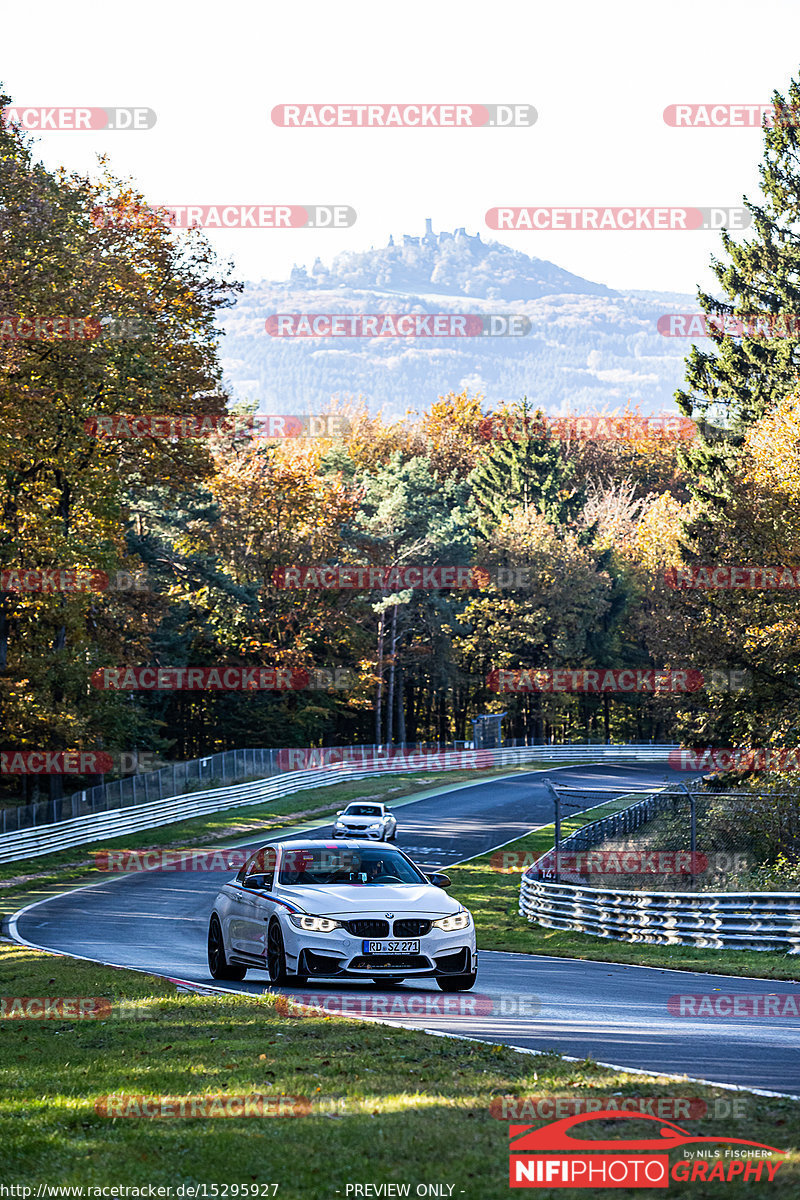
(525, 469)
(729, 385)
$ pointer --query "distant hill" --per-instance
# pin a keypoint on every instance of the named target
(589, 347)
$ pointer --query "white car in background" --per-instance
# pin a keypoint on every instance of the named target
(363, 819)
(345, 909)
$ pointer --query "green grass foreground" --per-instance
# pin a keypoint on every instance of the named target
(387, 1105)
(493, 898)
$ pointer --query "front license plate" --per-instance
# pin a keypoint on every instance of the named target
(407, 947)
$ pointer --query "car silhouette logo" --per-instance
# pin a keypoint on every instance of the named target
(547, 1157)
(555, 1135)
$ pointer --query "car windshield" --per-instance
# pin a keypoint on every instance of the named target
(342, 865)
(362, 810)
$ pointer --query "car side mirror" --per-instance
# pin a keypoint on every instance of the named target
(256, 882)
(339, 812)
(439, 879)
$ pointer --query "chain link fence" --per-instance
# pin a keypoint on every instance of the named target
(218, 770)
(232, 766)
(680, 838)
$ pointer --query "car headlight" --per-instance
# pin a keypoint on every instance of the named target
(459, 920)
(375, 825)
(315, 924)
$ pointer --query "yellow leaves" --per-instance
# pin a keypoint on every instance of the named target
(767, 497)
(275, 507)
(655, 544)
(524, 536)
(371, 442)
(773, 450)
(452, 431)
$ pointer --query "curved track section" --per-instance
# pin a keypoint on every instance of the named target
(157, 921)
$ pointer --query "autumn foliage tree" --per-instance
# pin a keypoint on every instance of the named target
(66, 496)
(592, 523)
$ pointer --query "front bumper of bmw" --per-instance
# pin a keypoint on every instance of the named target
(345, 951)
(359, 831)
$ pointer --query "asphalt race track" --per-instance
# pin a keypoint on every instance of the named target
(157, 921)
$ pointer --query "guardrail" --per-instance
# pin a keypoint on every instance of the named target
(115, 823)
(46, 839)
(715, 920)
(719, 920)
(225, 767)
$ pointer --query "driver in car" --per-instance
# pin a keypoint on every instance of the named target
(377, 871)
(295, 869)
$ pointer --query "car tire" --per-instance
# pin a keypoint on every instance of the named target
(218, 964)
(456, 983)
(276, 955)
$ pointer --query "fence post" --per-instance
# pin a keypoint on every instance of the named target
(692, 830)
(556, 824)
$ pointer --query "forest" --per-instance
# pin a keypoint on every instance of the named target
(145, 601)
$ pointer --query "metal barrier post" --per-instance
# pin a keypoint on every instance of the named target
(556, 825)
(692, 830)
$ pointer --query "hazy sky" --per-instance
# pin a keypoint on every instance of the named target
(599, 76)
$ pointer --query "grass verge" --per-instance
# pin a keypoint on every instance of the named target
(386, 1104)
(493, 898)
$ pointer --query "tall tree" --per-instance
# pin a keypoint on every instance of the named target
(523, 468)
(729, 385)
(742, 629)
(63, 490)
(409, 515)
(548, 621)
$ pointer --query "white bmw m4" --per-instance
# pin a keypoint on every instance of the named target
(348, 909)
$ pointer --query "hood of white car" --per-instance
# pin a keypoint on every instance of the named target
(359, 821)
(347, 900)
